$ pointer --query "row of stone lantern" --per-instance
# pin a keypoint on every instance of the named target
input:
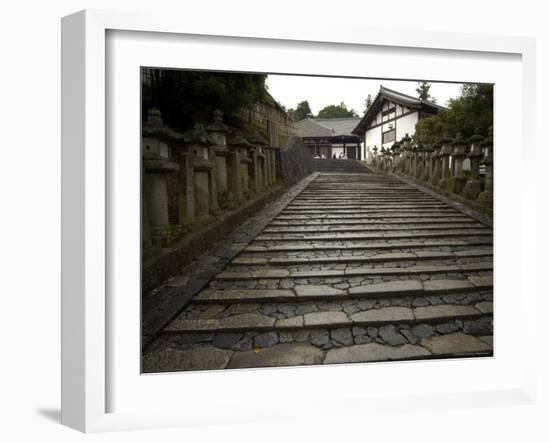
(189, 177)
(442, 164)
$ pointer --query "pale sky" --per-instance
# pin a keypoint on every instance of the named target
(289, 90)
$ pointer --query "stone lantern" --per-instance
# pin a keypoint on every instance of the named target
(472, 187)
(487, 195)
(374, 157)
(388, 159)
(218, 132)
(421, 152)
(257, 169)
(202, 161)
(428, 162)
(396, 151)
(406, 143)
(241, 160)
(414, 158)
(158, 171)
(444, 153)
(383, 158)
(458, 180)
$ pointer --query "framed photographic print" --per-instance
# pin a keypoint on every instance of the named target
(249, 214)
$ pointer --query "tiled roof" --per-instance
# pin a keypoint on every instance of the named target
(397, 97)
(326, 127)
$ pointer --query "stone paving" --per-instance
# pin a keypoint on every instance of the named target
(357, 267)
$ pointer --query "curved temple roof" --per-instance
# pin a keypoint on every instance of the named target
(326, 127)
(396, 97)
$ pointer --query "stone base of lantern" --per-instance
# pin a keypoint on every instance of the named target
(162, 236)
(443, 183)
(456, 184)
(485, 198)
(472, 189)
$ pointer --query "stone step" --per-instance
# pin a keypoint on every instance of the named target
(374, 236)
(331, 319)
(445, 346)
(375, 222)
(395, 212)
(304, 247)
(362, 197)
(360, 192)
(379, 215)
(310, 292)
(209, 357)
(397, 205)
(275, 273)
(405, 204)
(381, 257)
(359, 213)
(378, 228)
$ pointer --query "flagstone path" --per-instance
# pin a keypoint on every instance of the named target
(358, 267)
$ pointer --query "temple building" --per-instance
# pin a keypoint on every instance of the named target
(390, 117)
(330, 137)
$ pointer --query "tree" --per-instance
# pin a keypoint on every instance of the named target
(336, 111)
(368, 102)
(188, 97)
(423, 91)
(469, 113)
(302, 111)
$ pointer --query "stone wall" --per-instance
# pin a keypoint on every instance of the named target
(294, 162)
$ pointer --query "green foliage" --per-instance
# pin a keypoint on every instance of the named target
(469, 113)
(188, 97)
(423, 91)
(336, 111)
(302, 111)
(368, 103)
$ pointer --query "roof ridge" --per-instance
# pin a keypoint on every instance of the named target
(420, 100)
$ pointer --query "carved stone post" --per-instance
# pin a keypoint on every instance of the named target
(487, 195)
(157, 169)
(200, 146)
(438, 160)
(420, 153)
(472, 187)
(218, 131)
(395, 155)
(444, 154)
(428, 162)
(234, 174)
(186, 189)
(414, 159)
(435, 174)
(383, 159)
(406, 143)
(242, 164)
(458, 180)
(388, 160)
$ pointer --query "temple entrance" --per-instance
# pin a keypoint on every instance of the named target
(325, 151)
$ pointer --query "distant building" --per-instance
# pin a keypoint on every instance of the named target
(271, 117)
(329, 137)
(391, 116)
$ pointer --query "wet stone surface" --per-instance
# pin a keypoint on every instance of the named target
(357, 268)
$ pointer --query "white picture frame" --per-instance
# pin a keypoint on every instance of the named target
(87, 356)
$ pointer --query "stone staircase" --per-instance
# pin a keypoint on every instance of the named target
(339, 166)
(357, 268)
